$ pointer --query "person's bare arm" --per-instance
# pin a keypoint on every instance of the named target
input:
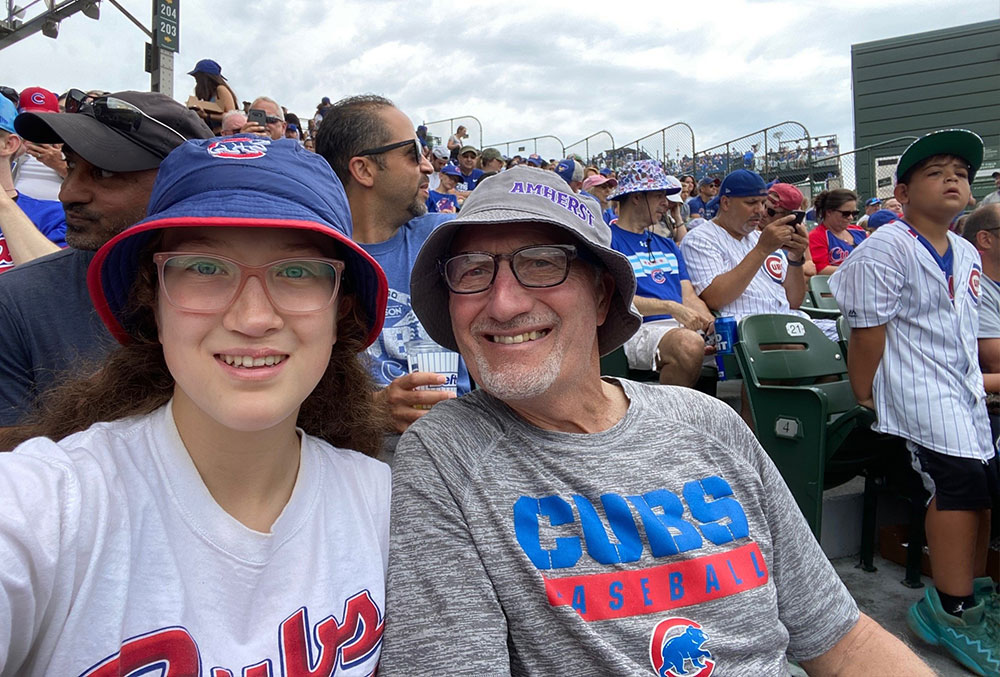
(868, 649)
(402, 397)
(24, 240)
(691, 300)
(864, 355)
(687, 317)
(989, 362)
(727, 287)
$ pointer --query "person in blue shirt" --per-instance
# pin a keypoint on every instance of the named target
(668, 341)
(444, 200)
(708, 188)
(371, 147)
(29, 228)
(467, 159)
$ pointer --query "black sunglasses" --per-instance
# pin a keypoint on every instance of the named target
(117, 114)
(848, 214)
(417, 155)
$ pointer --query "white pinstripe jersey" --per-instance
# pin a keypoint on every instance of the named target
(711, 251)
(928, 387)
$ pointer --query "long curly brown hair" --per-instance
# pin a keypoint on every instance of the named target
(134, 380)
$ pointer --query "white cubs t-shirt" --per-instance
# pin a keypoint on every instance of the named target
(115, 560)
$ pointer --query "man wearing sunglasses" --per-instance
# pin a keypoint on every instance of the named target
(113, 146)
(372, 148)
(554, 522)
(276, 125)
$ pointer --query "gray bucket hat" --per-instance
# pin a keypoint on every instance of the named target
(525, 195)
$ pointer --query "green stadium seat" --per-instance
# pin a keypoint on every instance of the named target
(804, 412)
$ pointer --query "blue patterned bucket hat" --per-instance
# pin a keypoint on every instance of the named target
(642, 176)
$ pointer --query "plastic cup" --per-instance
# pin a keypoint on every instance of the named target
(425, 355)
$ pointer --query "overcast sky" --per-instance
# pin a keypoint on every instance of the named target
(522, 67)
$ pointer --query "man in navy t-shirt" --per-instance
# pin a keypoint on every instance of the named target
(707, 189)
(388, 194)
(467, 158)
(668, 341)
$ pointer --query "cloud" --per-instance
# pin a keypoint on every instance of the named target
(524, 69)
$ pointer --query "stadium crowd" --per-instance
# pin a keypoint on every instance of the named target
(188, 470)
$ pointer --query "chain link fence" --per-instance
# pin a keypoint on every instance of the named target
(672, 146)
(784, 152)
(547, 146)
(439, 131)
(868, 170)
(594, 149)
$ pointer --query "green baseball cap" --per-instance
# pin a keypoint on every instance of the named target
(959, 142)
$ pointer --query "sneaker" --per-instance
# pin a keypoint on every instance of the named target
(985, 591)
(967, 639)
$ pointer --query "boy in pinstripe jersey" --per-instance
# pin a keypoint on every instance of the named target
(911, 298)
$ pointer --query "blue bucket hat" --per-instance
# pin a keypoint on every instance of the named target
(240, 181)
(642, 176)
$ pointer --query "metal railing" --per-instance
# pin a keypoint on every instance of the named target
(673, 146)
(869, 170)
(524, 150)
(784, 152)
(587, 155)
(436, 128)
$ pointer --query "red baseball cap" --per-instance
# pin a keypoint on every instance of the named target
(38, 100)
(788, 196)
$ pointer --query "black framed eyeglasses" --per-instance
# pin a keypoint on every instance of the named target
(534, 266)
(417, 155)
(117, 114)
(848, 214)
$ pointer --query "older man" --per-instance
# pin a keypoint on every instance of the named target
(275, 120)
(744, 262)
(557, 523)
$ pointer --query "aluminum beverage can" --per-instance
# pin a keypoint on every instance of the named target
(725, 333)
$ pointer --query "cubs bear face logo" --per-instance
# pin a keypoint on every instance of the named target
(676, 649)
(239, 147)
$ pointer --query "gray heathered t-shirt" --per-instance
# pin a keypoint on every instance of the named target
(663, 544)
(989, 308)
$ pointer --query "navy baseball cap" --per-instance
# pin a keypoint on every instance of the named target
(959, 142)
(535, 160)
(605, 171)
(743, 183)
(873, 201)
(880, 218)
(207, 66)
(565, 169)
(242, 181)
(452, 170)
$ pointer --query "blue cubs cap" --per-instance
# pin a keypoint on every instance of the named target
(880, 218)
(743, 183)
(535, 160)
(452, 170)
(7, 114)
(565, 169)
(605, 171)
(242, 181)
(207, 66)
(873, 201)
